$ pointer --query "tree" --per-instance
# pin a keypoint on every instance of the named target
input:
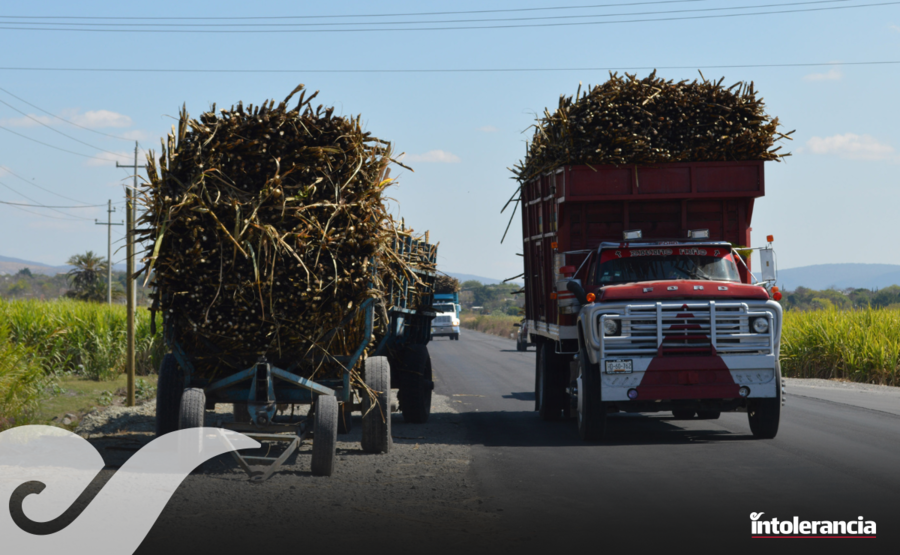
(86, 278)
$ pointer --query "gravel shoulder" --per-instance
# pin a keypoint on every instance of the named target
(880, 398)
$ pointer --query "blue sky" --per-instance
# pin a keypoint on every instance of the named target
(835, 200)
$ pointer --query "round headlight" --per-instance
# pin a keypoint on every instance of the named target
(610, 327)
(760, 325)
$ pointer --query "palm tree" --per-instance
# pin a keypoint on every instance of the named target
(87, 277)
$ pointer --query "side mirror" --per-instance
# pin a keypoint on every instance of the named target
(767, 261)
(576, 288)
(517, 325)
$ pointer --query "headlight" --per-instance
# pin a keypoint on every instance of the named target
(610, 327)
(760, 325)
(455, 322)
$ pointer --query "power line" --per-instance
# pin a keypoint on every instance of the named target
(20, 178)
(68, 216)
(52, 146)
(64, 119)
(456, 28)
(45, 215)
(357, 15)
(444, 70)
(57, 130)
(47, 206)
(493, 20)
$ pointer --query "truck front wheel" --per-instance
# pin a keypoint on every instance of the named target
(765, 414)
(591, 410)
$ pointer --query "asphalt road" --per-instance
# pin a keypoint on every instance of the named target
(660, 485)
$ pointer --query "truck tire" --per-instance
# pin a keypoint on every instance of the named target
(683, 414)
(168, 395)
(325, 428)
(345, 418)
(708, 414)
(591, 409)
(415, 384)
(765, 414)
(376, 420)
(521, 346)
(552, 383)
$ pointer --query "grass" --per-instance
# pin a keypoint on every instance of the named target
(21, 382)
(861, 345)
(493, 324)
(82, 338)
(76, 396)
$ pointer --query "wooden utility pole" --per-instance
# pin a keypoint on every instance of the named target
(129, 235)
(109, 264)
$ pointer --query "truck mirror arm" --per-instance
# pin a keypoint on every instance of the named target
(576, 288)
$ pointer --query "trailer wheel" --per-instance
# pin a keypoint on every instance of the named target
(345, 418)
(765, 414)
(168, 395)
(552, 383)
(709, 414)
(683, 414)
(325, 429)
(193, 409)
(415, 385)
(376, 420)
(591, 409)
(520, 346)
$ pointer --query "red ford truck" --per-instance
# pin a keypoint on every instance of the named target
(638, 299)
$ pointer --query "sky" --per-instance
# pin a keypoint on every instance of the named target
(834, 200)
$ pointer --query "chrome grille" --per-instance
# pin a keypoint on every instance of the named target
(685, 328)
(443, 320)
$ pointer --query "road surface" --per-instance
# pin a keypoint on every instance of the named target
(660, 485)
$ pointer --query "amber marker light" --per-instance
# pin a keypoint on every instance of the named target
(590, 297)
(770, 238)
(553, 295)
(554, 245)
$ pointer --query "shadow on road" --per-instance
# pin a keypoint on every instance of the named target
(521, 395)
(526, 429)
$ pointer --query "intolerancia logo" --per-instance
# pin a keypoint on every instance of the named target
(796, 528)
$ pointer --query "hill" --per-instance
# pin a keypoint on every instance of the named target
(840, 276)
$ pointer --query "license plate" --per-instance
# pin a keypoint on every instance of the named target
(618, 367)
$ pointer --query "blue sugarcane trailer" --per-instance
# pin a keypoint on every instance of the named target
(397, 357)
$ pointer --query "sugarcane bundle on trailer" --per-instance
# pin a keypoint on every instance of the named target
(271, 252)
(648, 121)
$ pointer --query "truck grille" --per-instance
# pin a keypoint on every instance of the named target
(686, 329)
(443, 321)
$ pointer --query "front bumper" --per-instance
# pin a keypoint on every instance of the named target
(676, 378)
(438, 331)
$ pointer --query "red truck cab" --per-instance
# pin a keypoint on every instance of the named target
(638, 301)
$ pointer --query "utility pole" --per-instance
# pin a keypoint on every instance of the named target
(129, 235)
(109, 223)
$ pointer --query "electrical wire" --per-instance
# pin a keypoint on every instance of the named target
(47, 206)
(64, 119)
(444, 70)
(57, 130)
(44, 215)
(20, 178)
(58, 148)
(455, 28)
(68, 216)
(357, 15)
(493, 20)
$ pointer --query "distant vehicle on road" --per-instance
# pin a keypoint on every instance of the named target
(446, 323)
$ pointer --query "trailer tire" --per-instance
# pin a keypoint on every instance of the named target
(709, 414)
(684, 414)
(552, 383)
(520, 346)
(345, 418)
(415, 384)
(192, 409)
(765, 414)
(591, 409)
(325, 429)
(168, 395)
(376, 420)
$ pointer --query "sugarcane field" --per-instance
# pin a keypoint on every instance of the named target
(525, 278)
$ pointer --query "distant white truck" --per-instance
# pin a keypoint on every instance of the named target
(446, 323)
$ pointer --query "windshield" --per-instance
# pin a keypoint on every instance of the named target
(444, 307)
(651, 264)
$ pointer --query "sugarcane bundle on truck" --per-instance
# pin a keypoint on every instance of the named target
(637, 197)
(275, 265)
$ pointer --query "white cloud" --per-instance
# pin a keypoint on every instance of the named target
(134, 135)
(92, 119)
(851, 146)
(832, 74)
(894, 28)
(106, 159)
(436, 156)
(488, 129)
